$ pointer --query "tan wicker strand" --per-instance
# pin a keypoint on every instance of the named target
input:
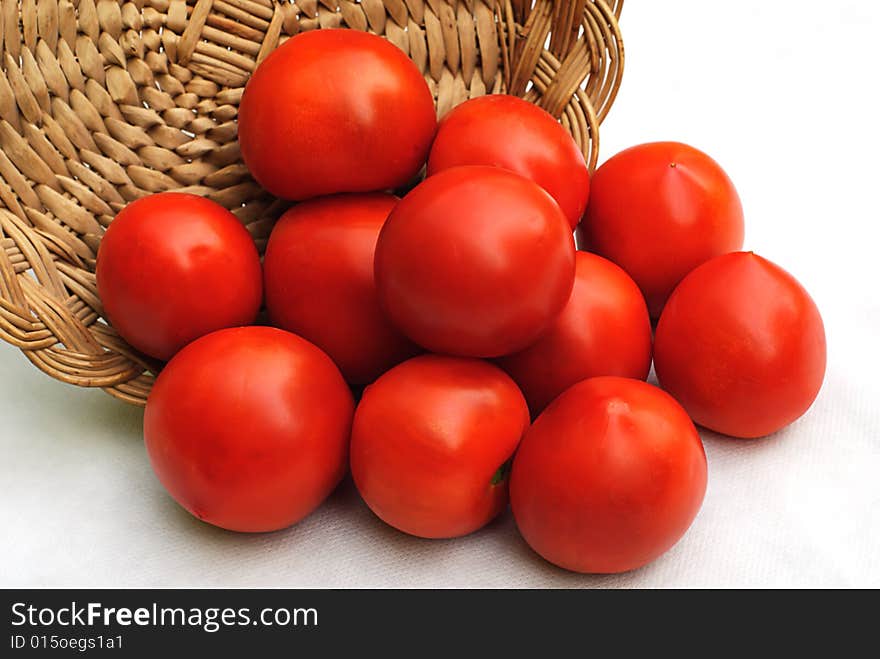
(106, 101)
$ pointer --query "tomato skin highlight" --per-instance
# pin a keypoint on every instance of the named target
(659, 210)
(429, 436)
(248, 428)
(604, 329)
(319, 282)
(173, 267)
(741, 345)
(335, 110)
(500, 130)
(609, 477)
(475, 261)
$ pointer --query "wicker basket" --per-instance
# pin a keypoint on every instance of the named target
(105, 101)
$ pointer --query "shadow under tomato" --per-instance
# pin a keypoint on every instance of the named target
(716, 443)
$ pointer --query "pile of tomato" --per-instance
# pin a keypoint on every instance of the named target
(492, 362)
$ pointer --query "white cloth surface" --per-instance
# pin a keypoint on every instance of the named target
(784, 96)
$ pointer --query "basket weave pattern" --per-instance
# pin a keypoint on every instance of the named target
(106, 101)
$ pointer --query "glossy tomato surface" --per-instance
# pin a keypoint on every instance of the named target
(335, 111)
(609, 477)
(659, 210)
(475, 261)
(741, 346)
(506, 131)
(429, 442)
(173, 267)
(248, 428)
(603, 330)
(319, 282)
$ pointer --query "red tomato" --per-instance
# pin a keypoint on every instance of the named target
(506, 131)
(603, 330)
(173, 267)
(335, 111)
(741, 345)
(430, 443)
(475, 261)
(658, 211)
(248, 428)
(609, 477)
(319, 282)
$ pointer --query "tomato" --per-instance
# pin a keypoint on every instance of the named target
(335, 111)
(506, 131)
(430, 443)
(603, 330)
(248, 428)
(659, 210)
(319, 282)
(475, 261)
(173, 267)
(741, 345)
(609, 477)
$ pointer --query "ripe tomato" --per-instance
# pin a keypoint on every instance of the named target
(173, 267)
(603, 330)
(319, 282)
(741, 345)
(248, 428)
(335, 111)
(658, 211)
(475, 261)
(506, 131)
(609, 477)
(429, 443)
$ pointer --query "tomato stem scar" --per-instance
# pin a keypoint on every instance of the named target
(502, 473)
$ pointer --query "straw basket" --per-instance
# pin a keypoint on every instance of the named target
(105, 101)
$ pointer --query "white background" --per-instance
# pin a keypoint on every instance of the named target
(784, 95)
